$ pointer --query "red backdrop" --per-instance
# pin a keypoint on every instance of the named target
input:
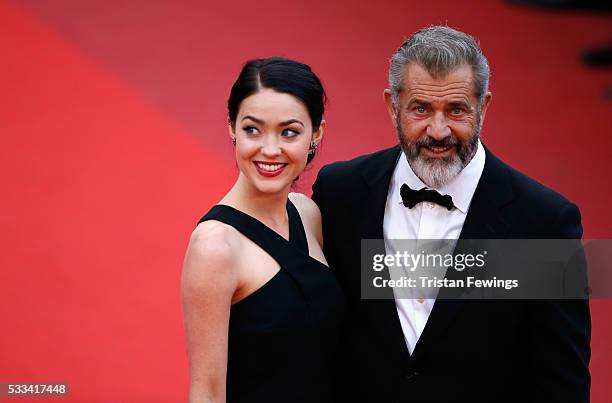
(112, 116)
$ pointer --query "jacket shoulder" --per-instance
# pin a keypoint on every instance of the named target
(353, 168)
(547, 210)
(535, 193)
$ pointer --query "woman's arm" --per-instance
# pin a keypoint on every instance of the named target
(208, 283)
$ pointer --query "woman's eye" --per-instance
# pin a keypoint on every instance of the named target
(289, 133)
(249, 130)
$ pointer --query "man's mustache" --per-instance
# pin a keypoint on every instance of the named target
(449, 141)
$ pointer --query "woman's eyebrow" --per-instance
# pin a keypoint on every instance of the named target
(285, 123)
(254, 119)
(288, 122)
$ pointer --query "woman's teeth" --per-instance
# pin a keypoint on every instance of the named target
(270, 167)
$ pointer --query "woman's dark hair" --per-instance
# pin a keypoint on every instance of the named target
(281, 75)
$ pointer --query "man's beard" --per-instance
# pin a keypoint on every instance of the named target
(437, 172)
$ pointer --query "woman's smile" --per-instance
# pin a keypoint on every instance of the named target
(269, 169)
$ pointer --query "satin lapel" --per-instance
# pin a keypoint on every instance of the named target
(381, 313)
(486, 219)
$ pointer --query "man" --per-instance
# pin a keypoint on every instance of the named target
(442, 350)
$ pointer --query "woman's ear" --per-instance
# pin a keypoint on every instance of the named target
(232, 131)
(317, 135)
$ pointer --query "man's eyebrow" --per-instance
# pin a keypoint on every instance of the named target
(418, 101)
(460, 103)
(288, 122)
(254, 119)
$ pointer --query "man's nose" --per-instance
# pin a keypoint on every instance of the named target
(438, 128)
(271, 146)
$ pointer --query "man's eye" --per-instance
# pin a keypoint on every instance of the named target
(456, 111)
(289, 133)
(420, 109)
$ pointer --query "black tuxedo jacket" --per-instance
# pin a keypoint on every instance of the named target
(470, 350)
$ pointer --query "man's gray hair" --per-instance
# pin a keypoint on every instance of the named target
(439, 50)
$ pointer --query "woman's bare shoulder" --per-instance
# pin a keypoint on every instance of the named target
(309, 212)
(306, 206)
(214, 238)
(211, 253)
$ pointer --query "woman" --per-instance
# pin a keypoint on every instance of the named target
(261, 307)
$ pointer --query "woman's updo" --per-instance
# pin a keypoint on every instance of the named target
(284, 76)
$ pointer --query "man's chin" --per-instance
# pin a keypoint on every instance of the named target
(436, 172)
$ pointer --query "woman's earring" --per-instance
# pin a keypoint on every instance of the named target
(234, 141)
(312, 148)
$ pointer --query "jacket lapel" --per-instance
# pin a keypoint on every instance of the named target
(381, 313)
(487, 218)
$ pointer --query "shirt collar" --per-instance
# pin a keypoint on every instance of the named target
(461, 188)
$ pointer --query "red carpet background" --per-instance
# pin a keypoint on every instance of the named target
(114, 143)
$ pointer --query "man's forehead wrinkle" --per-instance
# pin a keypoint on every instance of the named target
(463, 83)
(442, 92)
(458, 84)
(438, 94)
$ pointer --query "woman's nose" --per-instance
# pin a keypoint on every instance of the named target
(271, 146)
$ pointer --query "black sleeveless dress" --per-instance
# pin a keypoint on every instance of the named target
(283, 337)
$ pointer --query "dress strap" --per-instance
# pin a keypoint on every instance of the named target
(297, 234)
(292, 255)
(283, 251)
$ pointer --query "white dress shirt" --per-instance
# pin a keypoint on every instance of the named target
(426, 221)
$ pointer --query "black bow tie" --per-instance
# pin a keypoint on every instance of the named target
(411, 197)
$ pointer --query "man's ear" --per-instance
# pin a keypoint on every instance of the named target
(485, 104)
(317, 135)
(391, 107)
